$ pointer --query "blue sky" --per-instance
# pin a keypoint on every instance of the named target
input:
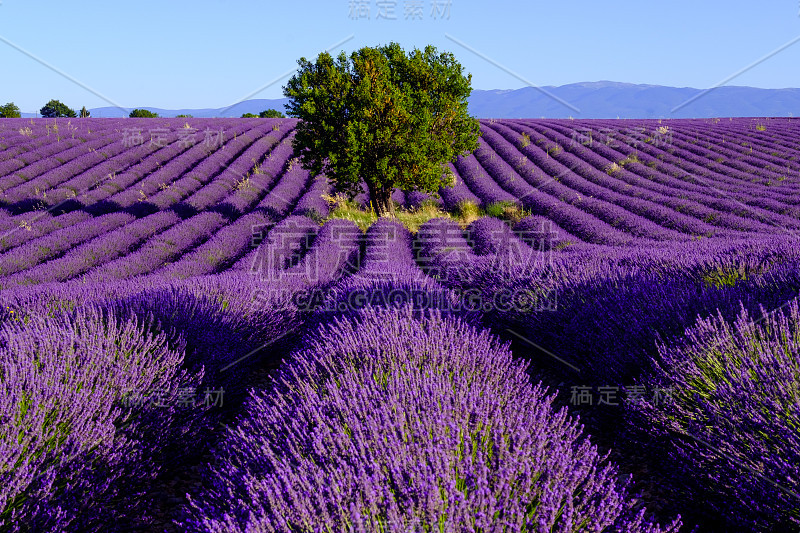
(203, 53)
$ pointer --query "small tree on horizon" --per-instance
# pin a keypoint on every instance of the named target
(85, 112)
(10, 110)
(142, 113)
(271, 113)
(249, 115)
(384, 117)
(54, 109)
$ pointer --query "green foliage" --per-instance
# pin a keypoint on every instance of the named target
(721, 277)
(54, 108)
(142, 113)
(384, 117)
(507, 210)
(249, 115)
(184, 116)
(85, 112)
(271, 113)
(10, 110)
(364, 218)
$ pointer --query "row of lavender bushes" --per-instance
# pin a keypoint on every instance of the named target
(716, 322)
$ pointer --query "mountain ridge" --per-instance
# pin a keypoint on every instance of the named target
(598, 99)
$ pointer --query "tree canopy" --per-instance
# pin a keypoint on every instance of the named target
(85, 112)
(249, 115)
(384, 117)
(54, 108)
(10, 110)
(271, 113)
(142, 113)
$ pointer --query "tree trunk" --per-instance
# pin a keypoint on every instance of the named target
(381, 200)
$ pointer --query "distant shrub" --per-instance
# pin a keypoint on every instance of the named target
(10, 110)
(249, 115)
(142, 113)
(184, 116)
(271, 113)
(54, 109)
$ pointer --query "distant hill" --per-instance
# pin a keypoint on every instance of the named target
(607, 99)
(248, 106)
(604, 99)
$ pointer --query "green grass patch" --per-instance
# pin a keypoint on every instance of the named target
(464, 213)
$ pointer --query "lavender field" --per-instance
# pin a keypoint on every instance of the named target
(191, 340)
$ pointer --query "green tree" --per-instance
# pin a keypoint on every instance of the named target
(142, 113)
(271, 113)
(10, 110)
(85, 112)
(384, 117)
(54, 108)
(184, 116)
(249, 115)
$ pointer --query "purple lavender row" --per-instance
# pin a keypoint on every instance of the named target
(160, 249)
(333, 254)
(760, 154)
(156, 253)
(758, 201)
(312, 204)
(738, 143)
(732, 179)
(235, 172)
(30, 149)
(17, 185)
(55, 172)
(491, 236)
(38, 224)
(553, 237)
(555, 173)
(672, 178)
(97, 251)
(50, 246)
(733, 422)
(20, 144)
(389, 263)
(391, 422)
(475, 177)
(77, 187)
(233, 241)
(495, 156)
(72, 442)
(39, 227)
(443, 251)
(193, 162)
(58, 242)
(656, 291)
(633, 197)
(594, 167)
(726, 158)
(458, 194)
(780, 140)
(113, 183)
(35, 154)
(219, 176)
(173, 243)
(283, 244)
(414, 199)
